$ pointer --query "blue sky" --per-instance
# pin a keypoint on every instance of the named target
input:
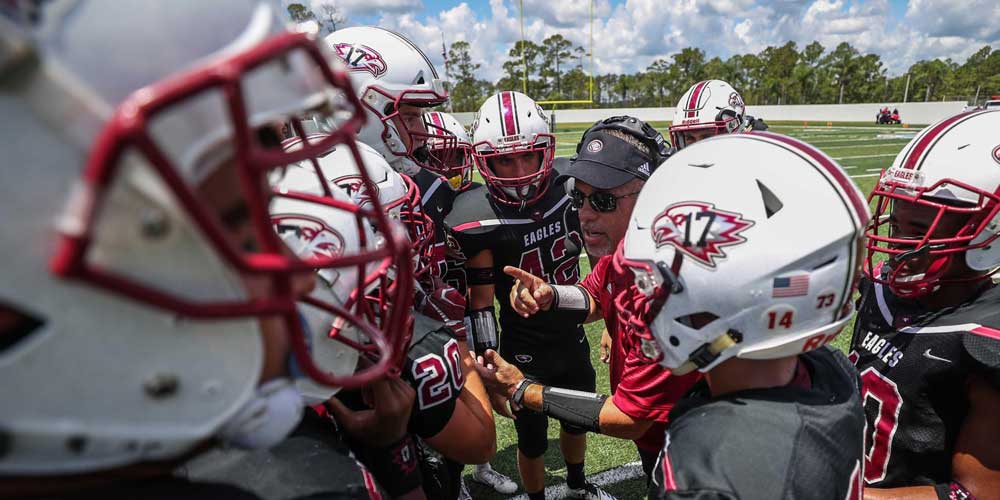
(631, 34)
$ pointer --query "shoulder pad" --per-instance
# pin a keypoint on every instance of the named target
(422, 327)
(470, 207)
(560, 166)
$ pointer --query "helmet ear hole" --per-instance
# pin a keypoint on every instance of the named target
(987, 257)
(697, 320)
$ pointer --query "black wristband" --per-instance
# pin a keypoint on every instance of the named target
(953, 491)
(480, 276)
(395, 467)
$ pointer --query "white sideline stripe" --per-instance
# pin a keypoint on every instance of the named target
(859, 146)
(823, 127)
(628, 471)
(859, 139)
(822, 139)
(864, 175)
(865, 156)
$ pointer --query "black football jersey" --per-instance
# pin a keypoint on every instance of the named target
(437, 197)
(433, 367)
(312, 463)
(543, 239)
(794, 442)
(914, 364)
(455, 257)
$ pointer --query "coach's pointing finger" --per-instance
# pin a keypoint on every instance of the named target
(530, 293)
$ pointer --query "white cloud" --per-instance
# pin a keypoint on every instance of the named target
(358, 8)
(959, 18)
(630, 35)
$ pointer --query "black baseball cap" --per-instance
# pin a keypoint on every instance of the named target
(608, 158)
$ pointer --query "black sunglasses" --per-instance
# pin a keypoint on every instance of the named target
(600, 201)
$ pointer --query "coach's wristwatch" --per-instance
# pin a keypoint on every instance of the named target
(519, 392)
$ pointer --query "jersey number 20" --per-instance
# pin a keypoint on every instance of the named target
(883, 392)
(439, 380)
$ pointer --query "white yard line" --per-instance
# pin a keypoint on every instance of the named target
(628, 471)
(859, 139)
(864, 175)
(857, 146)
(838, 158)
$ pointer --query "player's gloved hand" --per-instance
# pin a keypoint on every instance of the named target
(530, 293)
(383, 424)
(499, 376)
(446, 305)
(605, 346)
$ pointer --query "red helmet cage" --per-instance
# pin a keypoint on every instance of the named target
(917, 265)
(128, 130)
(482, 151)
(415, 149)
(447, 155)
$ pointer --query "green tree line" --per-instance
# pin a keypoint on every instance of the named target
(557, 69)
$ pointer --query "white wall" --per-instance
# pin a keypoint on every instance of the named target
(911, 112)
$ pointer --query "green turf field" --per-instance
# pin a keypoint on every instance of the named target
(856, 146)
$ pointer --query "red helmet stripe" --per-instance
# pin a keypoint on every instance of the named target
(437, 122)
(507, 113)
(859, 204)
(913, 156)
(695, 96)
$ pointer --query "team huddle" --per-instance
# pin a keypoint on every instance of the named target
(260, 266)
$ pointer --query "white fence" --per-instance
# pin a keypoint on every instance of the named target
(910, 112)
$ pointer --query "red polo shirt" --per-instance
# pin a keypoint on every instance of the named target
(640, 388)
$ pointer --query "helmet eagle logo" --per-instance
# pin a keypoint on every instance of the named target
(699, 230)
(361, 58)
(315, 237)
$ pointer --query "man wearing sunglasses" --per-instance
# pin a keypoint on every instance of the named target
(614, 159)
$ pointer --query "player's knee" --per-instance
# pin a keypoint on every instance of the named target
(574, 430)
(532, 433)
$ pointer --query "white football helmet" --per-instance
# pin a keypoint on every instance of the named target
(389, 71)
(710, 107)
(313, 229)
(950, 168)
(397, 194)
(141, 336)
(512, 123)
(749, 245)
(452, 147)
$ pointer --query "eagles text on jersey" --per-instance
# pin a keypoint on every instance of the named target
(914, 365)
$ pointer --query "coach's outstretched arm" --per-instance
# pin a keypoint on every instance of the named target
(531, 294)
(594, 412)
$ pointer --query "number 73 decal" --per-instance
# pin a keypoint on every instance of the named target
(699, 230)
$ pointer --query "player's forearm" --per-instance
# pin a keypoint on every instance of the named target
(474, 388)
(596, 314)
(909, 492)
